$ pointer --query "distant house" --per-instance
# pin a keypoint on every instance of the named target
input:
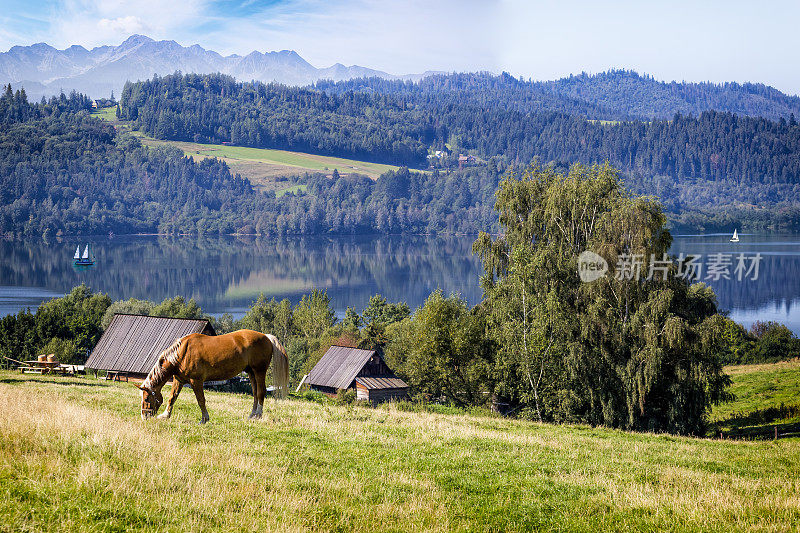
(343, 368)
(94, 104)
(466, 160)
(132, 343)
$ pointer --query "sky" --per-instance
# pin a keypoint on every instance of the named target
(698, 40)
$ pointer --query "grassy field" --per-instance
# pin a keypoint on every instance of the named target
(261, 163)
(77, 457)
(106, 113)
(261, 166)
(766, 396)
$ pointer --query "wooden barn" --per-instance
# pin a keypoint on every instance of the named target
(363, 370)
(132, 343)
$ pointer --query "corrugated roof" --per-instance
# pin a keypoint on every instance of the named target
(132, 343)
(338, 367)
(382, 383)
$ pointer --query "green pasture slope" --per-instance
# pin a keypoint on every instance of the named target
(106, 113)
(77, 457)
(288, 158)
(262, 164)
(767, 396)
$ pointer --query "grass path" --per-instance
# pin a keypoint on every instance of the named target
(76, 457)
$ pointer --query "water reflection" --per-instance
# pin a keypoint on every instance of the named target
(226, 274)
(776, 292)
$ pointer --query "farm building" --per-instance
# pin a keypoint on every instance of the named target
(363, 370)
(132, 343)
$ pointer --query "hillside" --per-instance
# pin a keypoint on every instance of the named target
(767, 397)
(715, 170)
(77, 451)
(628, 93)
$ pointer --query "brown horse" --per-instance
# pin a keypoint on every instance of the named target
(198, 358)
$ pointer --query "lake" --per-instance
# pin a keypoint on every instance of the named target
(226, 274)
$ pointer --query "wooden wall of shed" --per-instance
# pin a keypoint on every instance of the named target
(380, 395)
(329, 391)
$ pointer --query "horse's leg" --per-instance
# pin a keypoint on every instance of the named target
(252, 377)
(261, 390)
(176, 389)
(197, 387)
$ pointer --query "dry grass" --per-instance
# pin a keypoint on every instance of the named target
(75, 456)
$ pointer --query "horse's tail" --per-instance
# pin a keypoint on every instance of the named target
(280, 367)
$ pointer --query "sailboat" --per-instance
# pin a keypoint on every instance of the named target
(85, 259)
(735, 237)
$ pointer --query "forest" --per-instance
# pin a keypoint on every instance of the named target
(65, 172)
(709, 170)
(399, 128)
(611, 95)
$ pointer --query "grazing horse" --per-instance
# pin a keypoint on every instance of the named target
(197, 358)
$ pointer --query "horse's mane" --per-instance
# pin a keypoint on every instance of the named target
(157, 374)
(280, 367)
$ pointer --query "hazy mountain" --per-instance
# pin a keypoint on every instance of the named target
(44, 70)
(629, 93)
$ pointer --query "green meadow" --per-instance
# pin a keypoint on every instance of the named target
(106, 113)
(767, 396)
(260, 165)
(77, 457)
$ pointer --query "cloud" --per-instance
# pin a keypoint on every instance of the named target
(123, 25)
(399, 37)
(99, 22)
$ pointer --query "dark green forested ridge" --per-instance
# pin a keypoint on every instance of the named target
(612, 95)
(628, 93)
(63, 171)
(401, 128)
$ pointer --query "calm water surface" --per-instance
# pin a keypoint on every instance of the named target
(226, 274)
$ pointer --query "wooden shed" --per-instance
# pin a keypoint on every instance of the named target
(363, 370)
(132, 343)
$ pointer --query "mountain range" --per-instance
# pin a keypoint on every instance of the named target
(614, 95)
(44, 70)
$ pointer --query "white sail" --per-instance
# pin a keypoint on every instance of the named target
(735, 237)
(78, 252)
(86, 252)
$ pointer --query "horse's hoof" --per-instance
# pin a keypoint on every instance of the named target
(203, 420)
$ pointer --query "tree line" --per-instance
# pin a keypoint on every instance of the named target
(63, 171)
(717, 163)
(399, 128)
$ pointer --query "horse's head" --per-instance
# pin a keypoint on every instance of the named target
(151, 402)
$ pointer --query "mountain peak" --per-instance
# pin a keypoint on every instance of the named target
(137, 39)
